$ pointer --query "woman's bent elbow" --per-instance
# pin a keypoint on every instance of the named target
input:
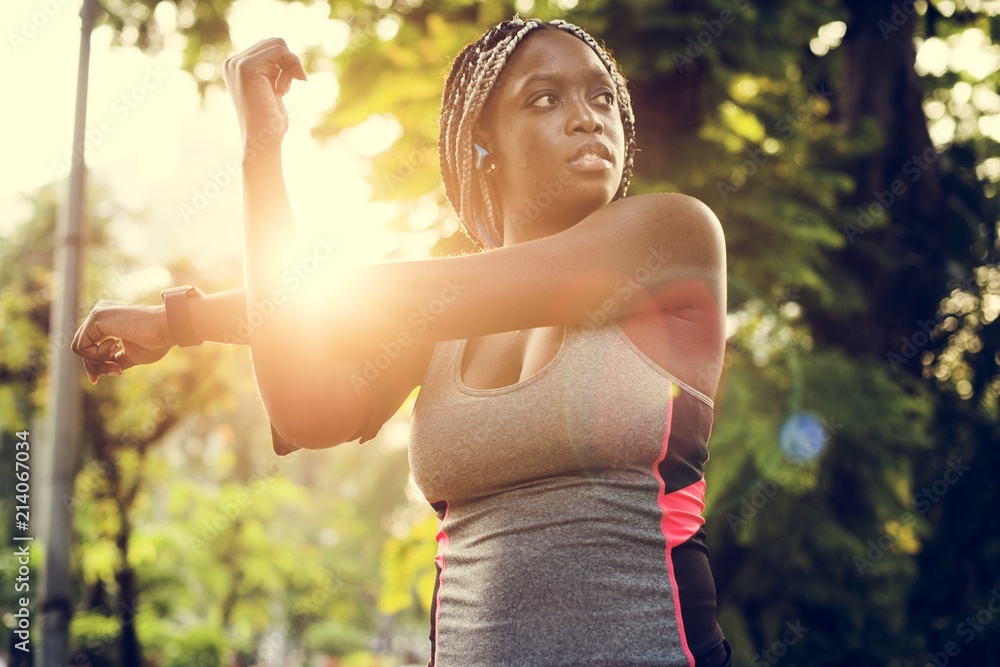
(311, 410)
(316, 419)
(309, 432)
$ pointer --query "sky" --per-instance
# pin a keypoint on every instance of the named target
(170, 160)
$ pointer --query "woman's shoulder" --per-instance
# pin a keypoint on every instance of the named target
(679, 226)
(668, 207)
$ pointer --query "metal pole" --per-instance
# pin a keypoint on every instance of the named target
(61, 436)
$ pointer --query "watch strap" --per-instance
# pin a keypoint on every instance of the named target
(179, 316)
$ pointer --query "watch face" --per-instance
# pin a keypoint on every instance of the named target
(182, 288)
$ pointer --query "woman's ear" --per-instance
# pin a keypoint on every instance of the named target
(483, 138)
(482, 147)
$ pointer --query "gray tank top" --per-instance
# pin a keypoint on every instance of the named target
(561, 500)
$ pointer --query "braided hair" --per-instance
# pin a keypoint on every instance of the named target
(473, 76)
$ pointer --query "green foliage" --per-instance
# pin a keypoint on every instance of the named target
(196, 647)
(408, 571)
(146, 24)
(336, 638)
(227, 544)
(95, 637)
(760, 128)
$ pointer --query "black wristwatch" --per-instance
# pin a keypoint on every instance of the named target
(178, 315)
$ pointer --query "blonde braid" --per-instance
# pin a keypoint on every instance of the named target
(488, 69)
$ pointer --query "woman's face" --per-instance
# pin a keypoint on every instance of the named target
(553, 127)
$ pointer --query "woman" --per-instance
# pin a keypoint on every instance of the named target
(567, 375)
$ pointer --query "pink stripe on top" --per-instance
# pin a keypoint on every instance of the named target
(439, 559)
(666, 524)
(682, 512)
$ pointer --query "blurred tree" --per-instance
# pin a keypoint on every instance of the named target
(857, 184)
(122, 420)
(158, 547)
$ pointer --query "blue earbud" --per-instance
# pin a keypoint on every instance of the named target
(482, 153)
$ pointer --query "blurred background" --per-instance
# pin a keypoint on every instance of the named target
(849, 149)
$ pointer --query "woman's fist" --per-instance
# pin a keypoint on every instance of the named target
(257, 79)
(117, 335)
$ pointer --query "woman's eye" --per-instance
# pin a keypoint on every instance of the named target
(547, 100)
(608, 98)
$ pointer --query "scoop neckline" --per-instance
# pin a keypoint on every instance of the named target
(542, 372)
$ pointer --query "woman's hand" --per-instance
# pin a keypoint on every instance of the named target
(257, 79)
(117, 335)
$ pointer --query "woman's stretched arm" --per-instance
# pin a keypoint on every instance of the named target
(368, 343)
(293, 381)
(664, 252)
(311, 395)
(117, 336)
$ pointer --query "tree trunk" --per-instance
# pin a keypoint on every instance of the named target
(128, 595)
(901, 265)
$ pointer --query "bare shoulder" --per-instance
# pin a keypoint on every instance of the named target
(670, 213)
(686, 336)
(680, 229)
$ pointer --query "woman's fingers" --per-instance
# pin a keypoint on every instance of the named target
(88, 338)
(110, 328)
(95, 369)
(123, 361)
(283, 82)
(288, 61)
(271, 58)
(106, 348)
(257, 79)
(273, 52)
(101, 360)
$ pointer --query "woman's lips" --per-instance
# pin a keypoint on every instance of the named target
(590, 162)
(591, 156)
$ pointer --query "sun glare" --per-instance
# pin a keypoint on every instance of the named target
(171, 165)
